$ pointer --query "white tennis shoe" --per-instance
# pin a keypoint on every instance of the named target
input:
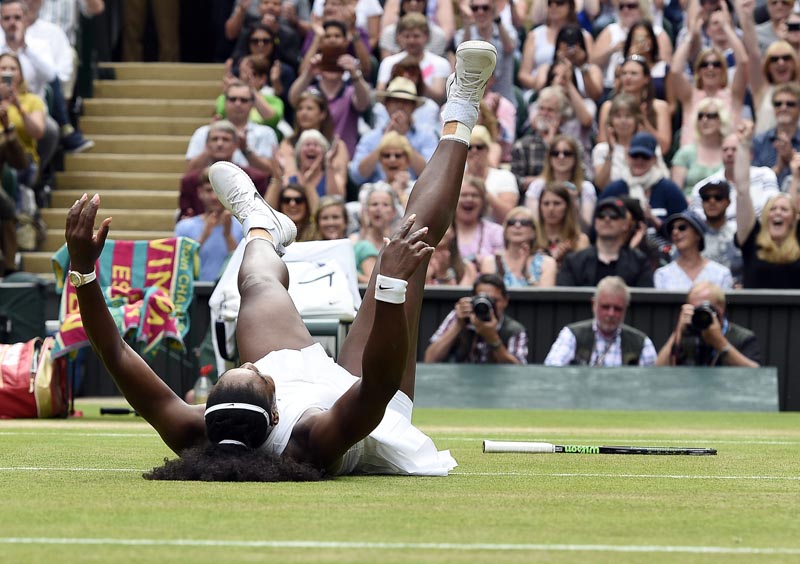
(239, 195)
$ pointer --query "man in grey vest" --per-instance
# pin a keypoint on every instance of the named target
(604, 340)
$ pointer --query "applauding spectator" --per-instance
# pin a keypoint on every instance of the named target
(217, 231)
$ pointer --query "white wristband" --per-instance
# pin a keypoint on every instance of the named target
(391, 290)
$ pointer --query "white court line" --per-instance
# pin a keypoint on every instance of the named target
(72, 434)
(654, 476)
(46, 469)
(456, 473)
(405, 545)
(571, 440)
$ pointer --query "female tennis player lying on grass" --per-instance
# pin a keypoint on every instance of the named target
(289, 412)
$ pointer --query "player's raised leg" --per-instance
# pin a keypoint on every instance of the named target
(433, 198)
(268, 318)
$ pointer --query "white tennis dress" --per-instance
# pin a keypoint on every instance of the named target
(309, 378)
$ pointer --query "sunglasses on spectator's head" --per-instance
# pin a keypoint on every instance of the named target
(717, 197)
(679, 226)
(782, 103)
(520, 222)
(707, 115)
(562, 153)
(629, 6)
(481, 8)
(556, 2)
(711, 65)
(296, 200)
(776, 58)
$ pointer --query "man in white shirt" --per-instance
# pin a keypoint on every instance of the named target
(763, 181)
(257, 143)
(412, 36)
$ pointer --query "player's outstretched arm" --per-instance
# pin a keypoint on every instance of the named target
(362, 407)
(179, 424)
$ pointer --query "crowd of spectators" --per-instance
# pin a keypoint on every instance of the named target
(607, 141)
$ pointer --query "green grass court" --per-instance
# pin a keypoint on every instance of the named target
(72, 491)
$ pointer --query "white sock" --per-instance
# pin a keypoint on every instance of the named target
(461, 111)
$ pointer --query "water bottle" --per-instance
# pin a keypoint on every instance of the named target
(203, 385)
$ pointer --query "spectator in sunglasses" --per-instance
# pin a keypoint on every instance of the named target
(687, 233)
(710, 77)
(719, 234)
(775, 64)
(256, 143)
(660, 197)
(480, 19)
(502, 191)
(776, 146)
(610, 255)
(696, 161)
(293, 201)
(563, 164)
(522, 262)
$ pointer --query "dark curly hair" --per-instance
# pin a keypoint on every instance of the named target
(233, 463)
(242, 461)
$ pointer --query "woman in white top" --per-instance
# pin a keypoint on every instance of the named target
(608, 52)
(540, 43)
(656, 118)
(686, 231)
(610, 157)
(710, 78)
(563, 164)
(502, 191)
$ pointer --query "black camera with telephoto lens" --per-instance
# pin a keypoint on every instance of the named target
(703, 317)
(483, 307)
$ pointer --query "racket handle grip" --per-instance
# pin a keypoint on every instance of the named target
(115, 411)
(518, 446)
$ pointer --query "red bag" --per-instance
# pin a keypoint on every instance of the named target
(31, 383)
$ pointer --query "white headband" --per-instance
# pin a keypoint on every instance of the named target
(245, 406)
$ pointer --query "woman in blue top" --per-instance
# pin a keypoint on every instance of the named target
(522, 262)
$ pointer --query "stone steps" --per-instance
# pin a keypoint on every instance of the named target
(141, 123)
(112, 162)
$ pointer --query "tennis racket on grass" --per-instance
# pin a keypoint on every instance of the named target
(540, 448)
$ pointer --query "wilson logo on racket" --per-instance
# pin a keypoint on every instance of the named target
(581, 449)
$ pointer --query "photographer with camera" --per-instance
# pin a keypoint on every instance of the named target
(705, 337)
(477, 331)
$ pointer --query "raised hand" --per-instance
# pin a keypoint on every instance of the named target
(405, 251)
(83, 244)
